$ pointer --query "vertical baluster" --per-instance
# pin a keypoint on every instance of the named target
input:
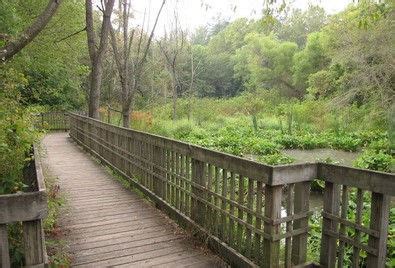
(33, 238)
(217, 199)
(232, 208)
(177, 180)
(379, 219)
(188, 178)
(4, 248)
(328, 242)
(301, 205)
(342, 228)
(210, 199)
(168, 174)
(289, 225)
(198, 213)
(250, 198)
(358, 220)
(240, 193)
(258, 221)
(182, 184)
(271, 247)
(223, 204)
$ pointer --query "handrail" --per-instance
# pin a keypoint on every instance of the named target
(238, 204)
(30, 208)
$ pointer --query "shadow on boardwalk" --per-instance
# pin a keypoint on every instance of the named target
(108, 225)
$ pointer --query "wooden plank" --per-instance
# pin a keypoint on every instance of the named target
(231, 226)
(289, 225)
(210, 224)
(183, 183)
(328, 243)
(358, 220)
(250, 199)
(157, 162)
(293, 173)
(23, 207)
(240, 193)
(33, 241)
(301, 205)
(369, 180)
(258, 221)
(342, 229)
(379, 219)
(217, 200)
(222, 231)
(4, 247)
(198, 213)
(271, 249)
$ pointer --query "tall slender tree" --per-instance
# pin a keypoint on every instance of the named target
(172, 46)
(97, 51)
(130, 65)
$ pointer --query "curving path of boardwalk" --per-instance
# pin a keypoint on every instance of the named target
(108, 225)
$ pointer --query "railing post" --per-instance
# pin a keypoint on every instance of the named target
(34, 242)
(4, 248)
(329, 227)
(301, 205)
(198, 212)
(271, 246)
(157, 163)
(379, 218)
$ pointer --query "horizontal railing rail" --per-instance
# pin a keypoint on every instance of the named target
(30, 208)
(250, 213)
(52, 120)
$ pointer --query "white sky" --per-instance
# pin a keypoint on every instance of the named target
(193, 13)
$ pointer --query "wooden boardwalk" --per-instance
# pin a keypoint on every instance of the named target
(108, 225)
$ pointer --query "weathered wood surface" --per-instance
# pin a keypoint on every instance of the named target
(108, 225)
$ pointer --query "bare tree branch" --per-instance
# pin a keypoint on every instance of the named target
(11, 48)
(70, 35)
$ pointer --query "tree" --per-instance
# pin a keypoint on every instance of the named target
(13, 47)
(313, 58)
(300, 24)
(172, 45)
(130, 65)
(96, 52)
(266, 62)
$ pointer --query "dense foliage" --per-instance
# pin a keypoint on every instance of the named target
(297, 80)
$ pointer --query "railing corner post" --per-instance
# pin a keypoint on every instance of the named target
(379, 218)
(198, 211)
(271, 247)
(329, 226)
(34, 242)
(301, 205)
(157, 158)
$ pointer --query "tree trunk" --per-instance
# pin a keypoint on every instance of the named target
(174, 103)
(30, 33)
(94, 93)
(97, 54)
(126, 116)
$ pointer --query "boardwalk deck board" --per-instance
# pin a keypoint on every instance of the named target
(108, 225)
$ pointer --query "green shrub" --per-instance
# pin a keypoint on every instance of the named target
(17, 133)
(182, 129)
(375, 160)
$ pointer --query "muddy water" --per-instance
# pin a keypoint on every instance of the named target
(337, 156)
(308, 156)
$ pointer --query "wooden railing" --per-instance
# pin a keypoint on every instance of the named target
(53, 120)
(29, 208)
(250, 213)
